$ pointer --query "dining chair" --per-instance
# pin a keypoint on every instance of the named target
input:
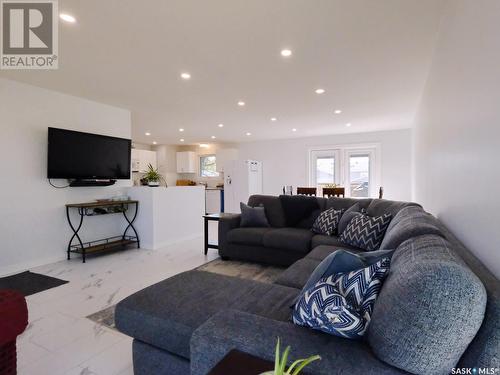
(306, 191)
(334, 192)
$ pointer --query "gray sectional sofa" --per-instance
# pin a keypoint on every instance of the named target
(439, 307)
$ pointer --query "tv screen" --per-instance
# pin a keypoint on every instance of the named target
(77, 155)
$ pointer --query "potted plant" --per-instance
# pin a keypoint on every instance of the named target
(153, 177)
(281, 360)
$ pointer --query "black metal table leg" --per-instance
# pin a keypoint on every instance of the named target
(75, 232)
(206, 236)
(130, 224)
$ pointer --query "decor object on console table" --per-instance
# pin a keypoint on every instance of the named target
(105, 244)
(13, 321)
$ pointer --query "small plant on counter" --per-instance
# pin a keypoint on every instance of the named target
(281, 360)
(153, 176)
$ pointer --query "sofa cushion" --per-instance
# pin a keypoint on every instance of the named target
(342, 304)
(331, 241)
(298, 273)
(327, 222)
(165, 314)
(248, 236)
(272, 205)
(294, 239)
(411, 221)
(340, 203)
(297, 208)
(378, 207)
(429, 309)
(322, 251)
(366, 232)
(253, 216)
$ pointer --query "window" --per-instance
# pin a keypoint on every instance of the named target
(359, 175)
(208, 166)
(353, 167)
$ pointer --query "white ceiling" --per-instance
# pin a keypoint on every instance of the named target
(371, 57)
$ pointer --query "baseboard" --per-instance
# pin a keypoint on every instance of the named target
(24, 266)
(150, 246)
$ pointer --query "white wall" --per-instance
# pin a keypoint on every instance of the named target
(33, 225)
(457, 134)
(285, 162)
(166, 156)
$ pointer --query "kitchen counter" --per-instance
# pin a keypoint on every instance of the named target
(168, 215)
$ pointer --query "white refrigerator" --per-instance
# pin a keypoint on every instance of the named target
(242, 178)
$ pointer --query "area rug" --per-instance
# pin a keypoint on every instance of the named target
(249, 271)
(28, 283)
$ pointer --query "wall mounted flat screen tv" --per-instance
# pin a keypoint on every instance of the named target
(85, 156)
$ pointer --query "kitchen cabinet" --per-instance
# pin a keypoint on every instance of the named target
(141, 159)
(224, 156)
(186, 162)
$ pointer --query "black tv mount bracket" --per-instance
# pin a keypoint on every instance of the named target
(90, 182)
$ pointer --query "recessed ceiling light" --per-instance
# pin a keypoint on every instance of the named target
(274, 119)
(154, 142)
(338, 111)
(182, 139)
(320, 91)
(294, 130)
(185, 75)
(147, 133)
(241, 104)
(348, 124)
(220, 125)
(203, 145)
(181, 129)
(213, 137)
(248, 134)
(286, 52)
(67, 18)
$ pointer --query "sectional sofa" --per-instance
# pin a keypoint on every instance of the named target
(438, 309)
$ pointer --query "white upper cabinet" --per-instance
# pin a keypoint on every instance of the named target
(141, 159)
(224, 156)
(186, 162)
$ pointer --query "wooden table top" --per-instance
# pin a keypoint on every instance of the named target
(101, 204)
(240, 363)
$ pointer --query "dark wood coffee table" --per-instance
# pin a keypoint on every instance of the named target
(240, 363)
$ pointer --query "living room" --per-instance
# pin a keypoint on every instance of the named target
(256, 173)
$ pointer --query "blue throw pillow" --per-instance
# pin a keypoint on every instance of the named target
(366, 232)
(342, 261)
(342, 304)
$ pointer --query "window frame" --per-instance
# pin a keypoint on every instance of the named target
(343, 175)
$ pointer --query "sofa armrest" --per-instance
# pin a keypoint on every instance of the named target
(226, 223)
(256, 335)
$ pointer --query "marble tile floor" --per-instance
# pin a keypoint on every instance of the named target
(60, 340)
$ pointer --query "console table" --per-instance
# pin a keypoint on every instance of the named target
(105, 244)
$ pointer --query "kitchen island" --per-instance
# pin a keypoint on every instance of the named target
(168, 215)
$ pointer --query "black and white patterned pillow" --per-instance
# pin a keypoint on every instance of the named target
(366, 232)
(342, 304)
(327, 222)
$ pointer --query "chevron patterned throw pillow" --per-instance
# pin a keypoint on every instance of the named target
(342, 304)
(327, 222)
(366, 232)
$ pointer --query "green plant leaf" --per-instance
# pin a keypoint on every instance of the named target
(277, 358)
(305, 362)
(284, 359)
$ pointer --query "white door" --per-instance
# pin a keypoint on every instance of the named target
(360, 173)
(325, 169)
